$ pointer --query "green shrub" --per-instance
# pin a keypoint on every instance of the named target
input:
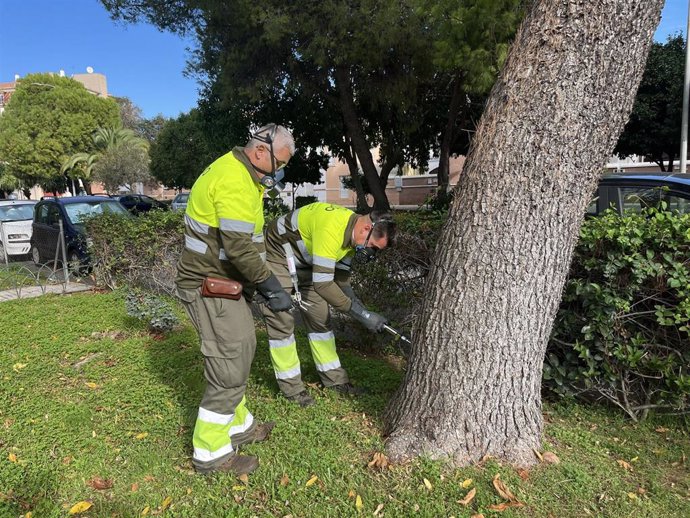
(158, 314)
(622, 331)
(274, 208)
(137, 252)
(301, 201)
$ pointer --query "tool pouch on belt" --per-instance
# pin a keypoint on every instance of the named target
(221, 288)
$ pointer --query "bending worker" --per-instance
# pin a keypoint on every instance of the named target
(221, 265)
(320, 240)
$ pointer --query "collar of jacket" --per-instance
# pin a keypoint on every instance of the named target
(349, 229)
(239, 154)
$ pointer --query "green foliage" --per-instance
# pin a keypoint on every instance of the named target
(274, 208)
(152, 309)
(622, 332)
(48, 119)
(137, 252)
(653, 130)
(94, 395)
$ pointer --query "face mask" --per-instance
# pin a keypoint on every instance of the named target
(273, 181)
(364, 253)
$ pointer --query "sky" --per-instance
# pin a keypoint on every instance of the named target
(138, 61)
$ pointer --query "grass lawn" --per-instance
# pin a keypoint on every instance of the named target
(92, 408)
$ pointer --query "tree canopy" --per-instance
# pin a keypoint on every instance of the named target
(653, 130)
(48, 119)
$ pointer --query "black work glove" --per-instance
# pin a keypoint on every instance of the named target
(277, 298)
(372, 321)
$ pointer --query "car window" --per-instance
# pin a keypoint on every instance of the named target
(42, 214)
(637, 198)
(53, 217)
(17, 212)
(182, 198)
(77, 212)
(677, 202)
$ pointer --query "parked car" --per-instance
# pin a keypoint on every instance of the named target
(15, 219)
(139, 203)
(635, 191)
(180, 201)
(71, 211)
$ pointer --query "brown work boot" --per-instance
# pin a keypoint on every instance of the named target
(303, 399)
(348, 389)
(260, 433)
(237, 464)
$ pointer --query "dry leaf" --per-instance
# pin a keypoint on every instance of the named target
(539, 455)
(18, 366)
(661, 429)
(632, 496)
(351, 493)
(379, 461)
(312, 480)
(142, 435)
(92, 385)
(239, 488)
(135, 487)
(466, 483)
(379, 508)
(100, 483)
(624, 465)
(284, 480)
(641, 490)
(244, 478)
(12, 457)
(468, 497)
(67, 460)
(502, 489)
(29, 515)
(551, 458)
(505, 505)
(145, 511)
(149, 478)
(358, 503)
(523, 474)
(428, 484)
(166, 503)
(80, 507)
(480, 515)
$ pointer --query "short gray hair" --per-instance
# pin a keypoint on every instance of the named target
(280, 137)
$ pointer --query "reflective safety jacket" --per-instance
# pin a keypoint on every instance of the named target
(224, 225)
(320, 237)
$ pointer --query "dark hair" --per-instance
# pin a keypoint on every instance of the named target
(384, 225)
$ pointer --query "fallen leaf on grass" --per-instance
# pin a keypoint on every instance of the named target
(466, 483)
(661, 429)
(166, 503)
(244, 478)
(551, 458)
(358, 503)
(351, 493)
(468, 497)
(239, 488)
(523, 474)
(632, 496)
(480, 515)
(135, 487)
(379, 461)
(502, 489)
(428, 484)
(142, 435)
(80, 507)
(505, 505)
(284, 480)
(12, 457)
(379, 508)
(18, 366)
(100, 483)
(149, 478)
(312, 481)
(92, 385)
(145, 511)
(624, 465)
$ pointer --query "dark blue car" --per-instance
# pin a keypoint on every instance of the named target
(635, 191)
(48, 214)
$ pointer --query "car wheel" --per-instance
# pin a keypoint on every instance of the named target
(35, 255)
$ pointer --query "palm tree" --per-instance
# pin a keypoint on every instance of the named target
(105, 140)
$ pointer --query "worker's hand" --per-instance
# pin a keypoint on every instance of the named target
(372, 321)
(276, 297)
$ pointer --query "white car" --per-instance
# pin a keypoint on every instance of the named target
(16, 217)
(180, 201)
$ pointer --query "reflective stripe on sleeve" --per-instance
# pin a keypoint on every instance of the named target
(222, 255)
(195, 225)
(236, 225)
(324, 261)
(195, 245)
(258, 238)
(281, 225)
(322, 277)
(303, 250)
(293, 220)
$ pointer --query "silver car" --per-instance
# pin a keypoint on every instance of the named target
(180, 201)
(15, 227)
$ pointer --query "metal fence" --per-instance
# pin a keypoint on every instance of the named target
(38, 265)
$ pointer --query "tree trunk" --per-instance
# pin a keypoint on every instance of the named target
(351, 160)
(359, 142)
(448, 132)
(472, 386)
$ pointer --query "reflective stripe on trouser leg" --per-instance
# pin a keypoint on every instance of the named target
(228, 343)
(321, 339)
(283, 349)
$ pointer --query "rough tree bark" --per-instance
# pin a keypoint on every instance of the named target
(472, 386)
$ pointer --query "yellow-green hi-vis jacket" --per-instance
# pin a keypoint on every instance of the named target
(320, 236)
(224, 225)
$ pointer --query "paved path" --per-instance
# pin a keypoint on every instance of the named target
(28, 292)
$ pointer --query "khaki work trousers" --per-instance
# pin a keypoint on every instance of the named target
(228, 344)
(281, 337)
